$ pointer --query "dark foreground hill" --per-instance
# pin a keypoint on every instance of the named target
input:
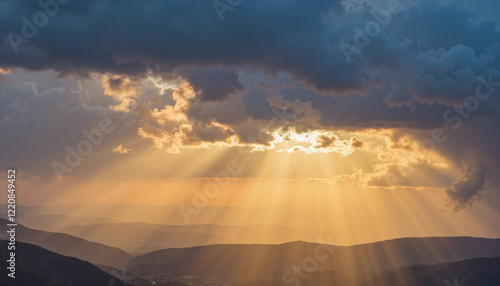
(36, 266)
(125, 276)
(69, 245)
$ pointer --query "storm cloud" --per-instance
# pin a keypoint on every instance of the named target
(327, 66)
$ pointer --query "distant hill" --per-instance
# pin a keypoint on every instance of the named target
(200, 234)
(171, 215)
(38, 266)
(473, 272)
(137, 239)
(470, 272)
(246, 234)
(69, 245)
(479, 271)
(53, 223)
(410, 251)
(251, 259)
(271, 261)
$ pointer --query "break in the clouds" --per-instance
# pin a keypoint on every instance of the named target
(428, 69)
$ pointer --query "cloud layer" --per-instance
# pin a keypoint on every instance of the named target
(425, 69)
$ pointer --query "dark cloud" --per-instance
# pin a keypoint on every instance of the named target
(42, 118)
(466, 190)
(203, 133)
(426, 61)
(326, 140)
(120, 87)
(357, 143)
(294, 37)
(174, 33)
(213, 85)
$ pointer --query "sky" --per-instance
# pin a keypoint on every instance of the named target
(362, 111)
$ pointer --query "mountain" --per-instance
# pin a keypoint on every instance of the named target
(477, 272)
(38, 266)
(207, 234)
(470, 272)
(245, 234)
(54, 223)
(69, 245)
(241, 262)
(410, 251)
(139, 239)
(251, 259)
(173, 215)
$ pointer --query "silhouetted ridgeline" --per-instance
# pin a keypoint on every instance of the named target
(471, 272)
(271, 260)
(36, 266)
(70, 245)
(376, 264)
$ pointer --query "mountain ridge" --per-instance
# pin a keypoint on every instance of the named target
(69, 245)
